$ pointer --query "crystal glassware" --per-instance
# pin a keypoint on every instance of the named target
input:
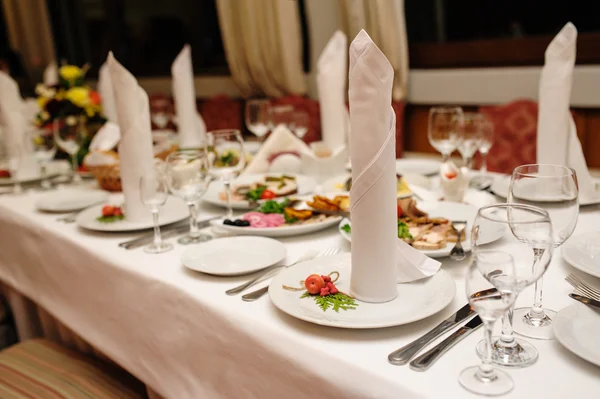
(44, 149)
(10, 163)
(186, 174)
(300, 122)
(280, 115)
(226, 159)
(445, 129)
(70, 137)
(553, 188)
(257, 117)
(470, 137)
(154, 193)
(489, 285)
(525, 232)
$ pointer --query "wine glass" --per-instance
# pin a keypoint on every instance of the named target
(227, 159)
(524, 231)
(280, 115)
(9, 160)
(70, 139)
(445, 129)
(154, 193)
(553, 188)
(300, 121)
(257, 117)
(470, 137)
(44, 150)
(489, 284)
(186, 172)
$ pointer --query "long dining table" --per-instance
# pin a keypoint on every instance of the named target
(178, 332)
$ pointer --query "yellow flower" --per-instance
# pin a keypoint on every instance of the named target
(41, 101)
(45, 115)
(79, 96)
(70, 72)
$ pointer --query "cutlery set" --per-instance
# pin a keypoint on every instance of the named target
(174, 230)
(584, 292)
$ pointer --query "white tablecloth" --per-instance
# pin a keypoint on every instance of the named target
(178, 332)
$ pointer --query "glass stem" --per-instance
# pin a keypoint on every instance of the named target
(537, 310)
(445, 157)
(486, 370)
(507, 337)
(228, 195)
(194, 232)
(157, 239)
(483, 169)
(45, 184)
(76, 177)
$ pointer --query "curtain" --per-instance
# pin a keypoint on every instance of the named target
(263, 46)
(29, 33)
(385, 22)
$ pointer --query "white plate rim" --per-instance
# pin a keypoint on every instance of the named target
(432, 166)
(39, 203)
(562, 321)
(570, 245)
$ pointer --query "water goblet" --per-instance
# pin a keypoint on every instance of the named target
(70, 137)
(257, 117)
(300, 122)
(470, 136)
(445, 127)
(44, 149)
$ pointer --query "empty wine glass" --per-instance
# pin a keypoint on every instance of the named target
(470, 136)
(300, 122)
(280, 115)
(154, 193)
(486, 141)
(70, 138)
(489, 285)
(186, 172)
(553, 188)
(257, 117)
(524, 231)
(445, 129)
(44, 149)
(227, 159)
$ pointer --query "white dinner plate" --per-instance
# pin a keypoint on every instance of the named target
(337, 184)
(449, 210)
(583, 252)
(424, 167)
(501, 185)
(576, 328)
(306, 185)
(70, 200)
(415, 301)
(282, 231)
(233, 256)
(173, 211)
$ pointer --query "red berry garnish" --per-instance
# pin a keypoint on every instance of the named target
(333, 290)
(326, 278)
(324, 291)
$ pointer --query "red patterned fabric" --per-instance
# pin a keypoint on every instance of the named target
(311, 107)
(515, 129)
(399, 107)
(222, 112)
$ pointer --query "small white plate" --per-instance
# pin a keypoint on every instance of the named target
(234, 256)
(306, 185)
(424, 167)
(583, 252)
(70, 200)
(501, 185)
(415, 301)
(283, 231)
(173, 211)
(576, 328)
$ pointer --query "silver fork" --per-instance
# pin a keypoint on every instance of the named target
(254, 295)
(582, 287)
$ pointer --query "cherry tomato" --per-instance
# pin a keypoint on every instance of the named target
(451, 175)
(267, 194)
(118, 211)
(399, 211)
(4, 173)
(108, 210)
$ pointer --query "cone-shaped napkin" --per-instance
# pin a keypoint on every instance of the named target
(332, 69)
(51, 74)
(191, 127)
(557, 141)
(135, 148)
(106, 93)
(12, 117)
(379, 258)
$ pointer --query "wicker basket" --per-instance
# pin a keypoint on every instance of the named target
(107, 176)
(164, 154)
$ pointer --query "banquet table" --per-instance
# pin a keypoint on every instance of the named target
(179, 333)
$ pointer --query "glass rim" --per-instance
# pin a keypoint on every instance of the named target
(218, 132)
(187, 151)
(545, 216)
(568, 172)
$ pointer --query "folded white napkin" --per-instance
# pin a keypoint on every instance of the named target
(107, 137)
(135, 148)
(105, 89)
(281, 140)
(51, 74)
(332, 69)
(379, 258)
(12, 118)
(557, 141)
(191, 127)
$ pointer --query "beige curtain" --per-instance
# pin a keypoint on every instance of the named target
(385, 22)
(29, 33)
(263, 45)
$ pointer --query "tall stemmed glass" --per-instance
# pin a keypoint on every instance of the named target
(186, 173)
(44, 150)
(154, 193)
(227, 159)
(300, 123)
(470, 138)
(486, 141)
(281, 115)
(489, 285)
(257, 117)
(445, 129)
(70, 139)
(553, 188)
(525, 232)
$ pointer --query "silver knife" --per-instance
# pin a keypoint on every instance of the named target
(587, 301)
(425, 361)
(404, 354)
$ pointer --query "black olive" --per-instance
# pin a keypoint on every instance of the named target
(228, 222)
(238, 222)
(244, 223)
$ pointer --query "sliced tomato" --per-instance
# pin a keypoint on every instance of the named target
(267, 194)
(108, 210)
(399, 210)
(451, 175)
(118, 211)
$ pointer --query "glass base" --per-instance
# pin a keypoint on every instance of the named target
(188, 239)
(524, 325)
(523, 354)
(158, 249)
(499, 383)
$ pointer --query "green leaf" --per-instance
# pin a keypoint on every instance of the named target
(110, 219)
(334, 301)
(346, 228)
(403, 231)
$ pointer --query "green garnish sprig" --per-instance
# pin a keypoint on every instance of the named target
(334, 301)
